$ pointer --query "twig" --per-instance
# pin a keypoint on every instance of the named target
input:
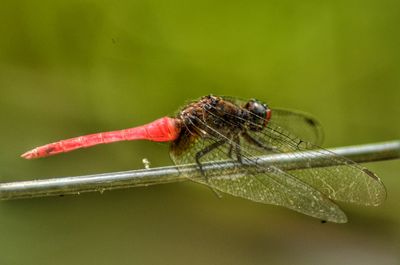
(145, 177)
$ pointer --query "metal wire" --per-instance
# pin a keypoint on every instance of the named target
(144, 177)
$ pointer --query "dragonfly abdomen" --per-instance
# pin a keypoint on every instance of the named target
(162, 130)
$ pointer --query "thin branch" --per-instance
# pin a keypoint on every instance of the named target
(145, 177)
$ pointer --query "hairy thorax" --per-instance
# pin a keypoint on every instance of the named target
(210, 116)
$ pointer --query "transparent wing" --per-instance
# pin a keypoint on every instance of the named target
(307, 127)
(307, 190)
(293, 131)
(348, 181)
(266, 184)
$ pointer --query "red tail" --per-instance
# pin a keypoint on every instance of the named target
(162, 130)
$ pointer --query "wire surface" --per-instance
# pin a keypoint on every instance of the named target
(144, 177)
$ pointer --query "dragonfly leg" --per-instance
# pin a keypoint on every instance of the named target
(205, 151)
(230, 151)
(232, 146)
(237, 149)
(202, 153)
(256, 142)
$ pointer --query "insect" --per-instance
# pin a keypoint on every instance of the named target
(214, 129)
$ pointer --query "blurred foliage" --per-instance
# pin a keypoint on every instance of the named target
(75, 67)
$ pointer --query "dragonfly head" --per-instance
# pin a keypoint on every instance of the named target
(259, 116)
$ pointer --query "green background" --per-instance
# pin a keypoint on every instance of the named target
(76, 67)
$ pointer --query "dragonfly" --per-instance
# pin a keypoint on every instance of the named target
(215, 129)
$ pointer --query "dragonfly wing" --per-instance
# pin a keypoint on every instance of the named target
(307, 189)
(263, 184)
(276, 187)
(347, 181)
(307, 127)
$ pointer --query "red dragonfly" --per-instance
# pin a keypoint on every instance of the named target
(214, 129)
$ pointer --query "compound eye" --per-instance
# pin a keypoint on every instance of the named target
(259, 109)
(260, 114)
(256, 108)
